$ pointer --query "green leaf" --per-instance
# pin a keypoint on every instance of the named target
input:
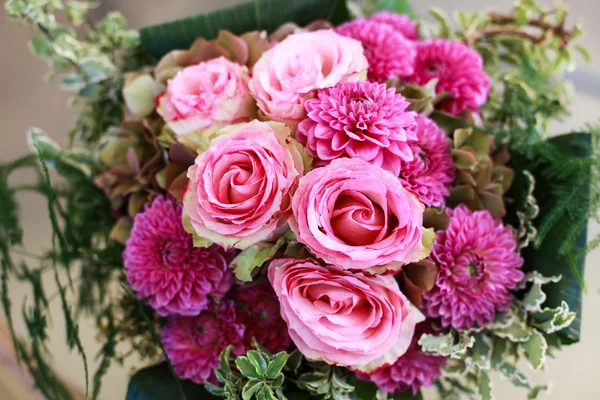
(481, 351)
(553, 223)
(157, 383)
(453, 344)
(246, 367)
(399, 6)
(294, 361)
(253, 257)
(485, 386)
(535, 349)
(442, 19)
(584, 52)
(276, 364)
(258, 360)
(516, 332)
(552, 320)
(250, 388)
(256, 15)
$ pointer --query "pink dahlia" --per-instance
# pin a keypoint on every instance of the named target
(459, 70)
(388, 52)
(193, 344)
(478, 266)
(358, 120)
(165, 269)
(413, 370)
(431, 171)
(400, 22)
(259, 311)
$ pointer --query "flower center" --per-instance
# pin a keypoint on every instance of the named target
(207, 330)
(357, 220)
(173, 254)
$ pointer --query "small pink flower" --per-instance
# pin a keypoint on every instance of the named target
(400, 22)
(389, 53)
(478, 266)
(165, 269)
(207, 96)
(240, 188)
(193, 344)
(292, 70)
(259, 311)
(343, 318)
(412, 371)
(431, 171)
(459, 70)
(358, 216)
(359, 120)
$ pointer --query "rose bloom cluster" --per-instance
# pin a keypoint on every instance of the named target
(300, 137)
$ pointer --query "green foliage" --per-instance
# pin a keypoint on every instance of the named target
(527, 331)
(90, 65)
(525, 53)
(256, 15)
(260, 376)
(77, 245)
(255, 256)
(566, 170)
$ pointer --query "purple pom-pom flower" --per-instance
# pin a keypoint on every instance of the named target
(431, 171)
(478, 267)
(359, 120)
(400, 22)
(388, 52)
(459, 71)
(165, 269)
(193, 344)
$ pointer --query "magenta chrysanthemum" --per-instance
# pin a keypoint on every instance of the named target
(259, 312)
(431, 171)
(413, 370)
(478, 266)
(163, 266)
(193, 344)
(389, 53)
(400, 22)
(358, 120)
(459, 70)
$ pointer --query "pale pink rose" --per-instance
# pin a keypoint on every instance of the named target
(358, 216)
(343, 318)
(240, 188)
(292, 70)
(207, 96)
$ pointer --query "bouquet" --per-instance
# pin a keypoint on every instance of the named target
(306, 199)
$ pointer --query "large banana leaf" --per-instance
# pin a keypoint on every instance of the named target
(257, 15)
(157, 383)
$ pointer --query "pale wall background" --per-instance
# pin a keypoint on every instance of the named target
(26, 100)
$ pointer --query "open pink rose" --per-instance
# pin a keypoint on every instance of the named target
(240, 188)
(207, 96)
(358, 216)
(343, 318)
(289, 73)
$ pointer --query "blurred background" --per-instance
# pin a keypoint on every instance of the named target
(27, 100)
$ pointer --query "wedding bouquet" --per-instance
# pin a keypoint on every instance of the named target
(307, 199)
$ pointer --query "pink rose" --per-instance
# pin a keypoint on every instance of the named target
(289, 73)
(207, 96)
(240, 188)
(359, 216)
(343, 318)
